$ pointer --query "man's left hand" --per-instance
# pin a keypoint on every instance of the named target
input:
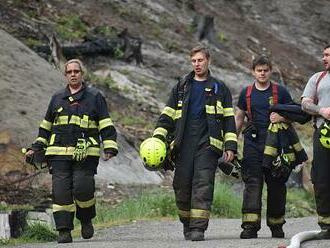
(276, 118)
(228, 156)
(107, 156)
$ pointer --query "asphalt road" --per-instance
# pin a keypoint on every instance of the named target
(222, 233)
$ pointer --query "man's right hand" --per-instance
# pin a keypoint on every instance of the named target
(325, 113)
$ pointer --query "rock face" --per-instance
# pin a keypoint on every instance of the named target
(27, 83)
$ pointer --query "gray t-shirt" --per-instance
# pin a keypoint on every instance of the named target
(323, 92)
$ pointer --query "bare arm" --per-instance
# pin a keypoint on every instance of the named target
(308, 106)
(313, 109)
(239, 119)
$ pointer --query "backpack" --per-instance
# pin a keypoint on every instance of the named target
(248, 98)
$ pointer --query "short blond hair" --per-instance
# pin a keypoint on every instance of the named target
(77, 61)
(201, 49)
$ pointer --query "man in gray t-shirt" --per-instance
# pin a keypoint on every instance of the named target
(316, 101)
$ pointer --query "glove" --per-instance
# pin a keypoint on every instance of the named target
(80, 151)
(232, 168)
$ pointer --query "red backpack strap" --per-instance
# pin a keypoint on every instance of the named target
(248, 101)
(316, 100)
(275, 93)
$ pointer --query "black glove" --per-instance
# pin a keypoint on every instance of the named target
(232, 168)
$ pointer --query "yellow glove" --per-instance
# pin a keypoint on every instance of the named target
(80, 151)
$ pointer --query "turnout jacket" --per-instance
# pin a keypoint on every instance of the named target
(73, 116)
(219, 115)
(282, 139)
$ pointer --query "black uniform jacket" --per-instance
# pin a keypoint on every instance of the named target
(70, 117)
(218, 109)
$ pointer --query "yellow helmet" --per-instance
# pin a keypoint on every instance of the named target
(325, 135)
(153, 153)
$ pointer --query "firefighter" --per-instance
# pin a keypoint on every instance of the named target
(254, 102)
(316, 101)
(200, 119)
(76, 123)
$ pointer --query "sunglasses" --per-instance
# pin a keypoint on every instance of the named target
(74, 72)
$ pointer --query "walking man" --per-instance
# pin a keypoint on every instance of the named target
(200, 119)
(76, 123)
(316, 101)
(254, 102)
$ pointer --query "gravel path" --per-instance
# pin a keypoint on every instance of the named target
(222, 233)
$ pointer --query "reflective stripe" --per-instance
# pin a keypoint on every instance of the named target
(105, 123)
(251, 218)
(68, 208)
(86, 204)
(269, 150)
(297, 147)
(110, 144)
(52, 139)
(230, 136)
(184, 213)
(219, 108)
(84, 121)
(169, 112)
(58, 150)
(276, 221)
(228, 112)
(75, 120)
(199, 214)
(290, 156)
(210, 109)
(94, 142)
(92, 124)
(178, 114)
(216, 142)
(160, 131)
(46, 125)
(42, 140)
(61, 120)
(324, 220)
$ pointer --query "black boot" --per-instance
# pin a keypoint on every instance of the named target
(186, 232)
(87, 230)
(249, 233)
(277, 232)
(64, 236)
(197, 235)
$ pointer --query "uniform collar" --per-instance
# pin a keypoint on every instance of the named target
(76, 96)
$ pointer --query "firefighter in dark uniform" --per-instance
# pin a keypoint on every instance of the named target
(199, 115)
(254, 102)
(76, 123)
(316, 101)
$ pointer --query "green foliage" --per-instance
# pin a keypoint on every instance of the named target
(149, 205)
(118, 53)
(31, 42)
(71, 27)
(39, 232)
(300, 203)
(4, 242)
(221, 37)
(226, 203)
(106, 31)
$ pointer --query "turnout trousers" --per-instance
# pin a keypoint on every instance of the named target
(254, 176)
(194, 177)
(321, 180)
(73, 191)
